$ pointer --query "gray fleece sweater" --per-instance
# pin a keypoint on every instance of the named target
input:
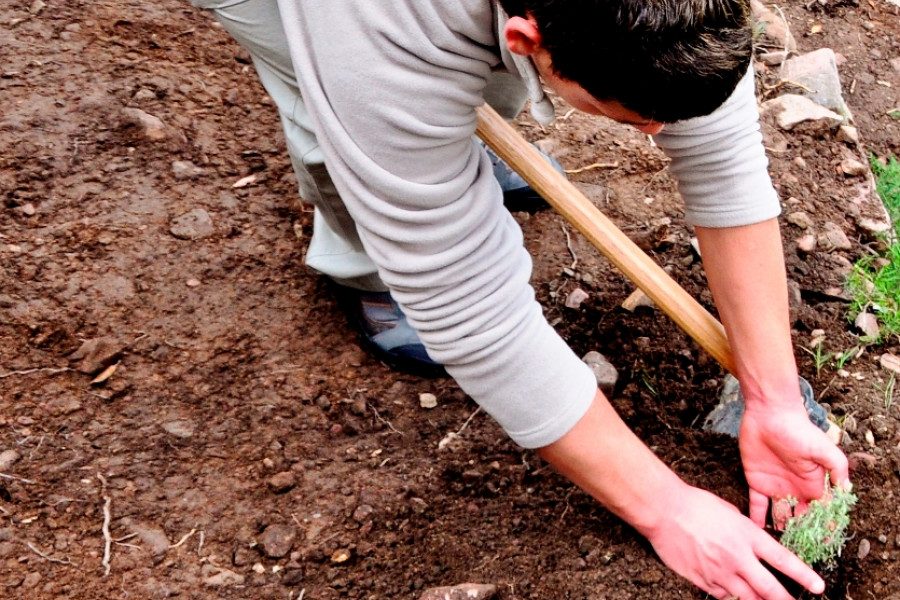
(393, 85)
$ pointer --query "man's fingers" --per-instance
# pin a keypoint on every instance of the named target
(835, 462)
(759, 505)
(786, 562)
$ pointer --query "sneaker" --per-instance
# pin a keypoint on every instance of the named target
(385, 332)
(517, 194)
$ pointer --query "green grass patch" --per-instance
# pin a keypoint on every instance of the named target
(874, 283)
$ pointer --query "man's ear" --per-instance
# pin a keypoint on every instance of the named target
(522, 35)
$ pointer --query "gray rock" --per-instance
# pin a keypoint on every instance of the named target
(806, 243)
(833, 238)
(143, 95)
(95, 355)
(151, 127)
(180, 428)
(848, 134)
(606, 374)
(7, 459)
(800, 219)
(153, 539)
(791, 110)
(853, 168)
(576, 298)
(185, 169)
(726, 417)
(193, 225)
(774, 26)
(218, 577)
(818, 72)
(282, 482)
(277, 540)
(867, 323)
(463, 591)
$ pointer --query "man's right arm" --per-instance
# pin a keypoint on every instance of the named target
(696, 534)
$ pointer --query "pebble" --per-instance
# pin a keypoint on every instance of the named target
(807, 243)
(883, 538)
(800, 219)
(428, 401)
(217, 577)
(282, 482)
(185, 169)
(31, 580)
(833, 238)
(890, 362)
(867, 323)
(848, 134)
(193, 225)
(606, 374)
(792, 109)
(28, 209)
(180, 429)
(576, 298)
(143, 94)
(277, 540)
(463, 591)
(7, 459)
(96, 354)
(363, 513)
(853, 168)
(865, 546)
(636, 300)
(799, 162)
(151, 127)
(192, 282)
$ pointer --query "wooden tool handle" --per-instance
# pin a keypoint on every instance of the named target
(602, 233)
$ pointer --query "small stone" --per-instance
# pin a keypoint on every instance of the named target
(800, 219)
(853, 168)
(651, 576)
(834, 434)
(799, 162)
(890, 362)
(282, 482)
(193, 225)
(96, 354)
(870, 438)
(873, 227)
(180, 429)
(576, 298)
(848, 134)
(341, 556)
(37, 6)
(31, 580)
(151, 127)
(28, 209)
(428, 401)
(62, 406)
(895, 62)
(463, 591)
(867, 323)
(143, 95)
(185, 169)
(7, 459)
(791, 110)
(636, 300)
(833, 238)
(153, 539)
(258, 568)
(606, 374)
(865, 546)
(277, 540)
(806, 243)
(363, 513)
(221, 577)
(192, 282)
(883, 538)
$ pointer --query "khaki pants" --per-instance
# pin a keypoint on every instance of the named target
(335, 249)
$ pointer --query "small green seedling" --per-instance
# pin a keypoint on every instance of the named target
(818, 535)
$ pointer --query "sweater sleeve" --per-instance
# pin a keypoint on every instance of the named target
(392, 87)
(720, 163)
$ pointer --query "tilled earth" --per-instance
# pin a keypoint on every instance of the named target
(244, 446)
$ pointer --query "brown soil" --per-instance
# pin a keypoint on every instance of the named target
(242, 401)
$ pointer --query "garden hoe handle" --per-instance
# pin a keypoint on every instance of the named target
(562, 195)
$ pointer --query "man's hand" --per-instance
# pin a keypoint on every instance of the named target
(707, 541)
(784, 454)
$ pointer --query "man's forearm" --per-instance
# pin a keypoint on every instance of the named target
(746, 273)
(604, 458)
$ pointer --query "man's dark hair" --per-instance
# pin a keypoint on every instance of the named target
(666, 60)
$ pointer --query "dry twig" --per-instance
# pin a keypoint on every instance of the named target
(591, 167)
(51, 370)
(47, 556)
(185, 538)
(569, 246)
(14, 478)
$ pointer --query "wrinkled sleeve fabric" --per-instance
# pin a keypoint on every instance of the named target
(720, 164)
(393, 87)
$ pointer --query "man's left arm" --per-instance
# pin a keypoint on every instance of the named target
(721, 168)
